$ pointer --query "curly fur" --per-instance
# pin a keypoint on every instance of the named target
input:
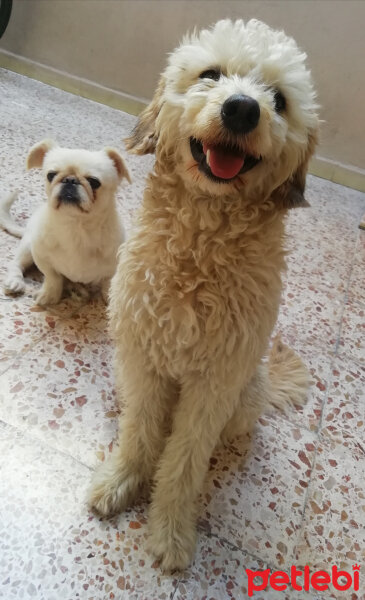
(197, 290)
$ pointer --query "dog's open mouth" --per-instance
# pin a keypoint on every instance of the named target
(221, 163)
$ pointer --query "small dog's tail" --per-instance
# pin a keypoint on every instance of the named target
(6, 222)
(288, 376)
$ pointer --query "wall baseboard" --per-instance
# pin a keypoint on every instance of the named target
(325, 168)
(71, 83)
(347, 175)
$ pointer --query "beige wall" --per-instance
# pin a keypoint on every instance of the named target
(122, 44)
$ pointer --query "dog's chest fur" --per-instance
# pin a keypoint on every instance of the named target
(198, 280)
(82, 251)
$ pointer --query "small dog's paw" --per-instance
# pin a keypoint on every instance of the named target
(14, 285)
(171, 541)
(47, 296)
(110, 492)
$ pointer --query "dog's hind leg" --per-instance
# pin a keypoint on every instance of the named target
(14, 281)
(142, 434)
(289, 377)
(279, 384)
(253, 400)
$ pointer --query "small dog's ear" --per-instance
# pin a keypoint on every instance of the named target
(118, 163)
(290, 194)
(37, 153)
(143, 139)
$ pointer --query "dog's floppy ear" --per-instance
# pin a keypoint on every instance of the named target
(118, 163)
(143, 139)
(37, 153)
(290, 194)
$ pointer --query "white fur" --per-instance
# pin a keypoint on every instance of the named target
(79, 243)
(197, 289)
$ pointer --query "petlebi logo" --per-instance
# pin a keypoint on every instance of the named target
(305, 580)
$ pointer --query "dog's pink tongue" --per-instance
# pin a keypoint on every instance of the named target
(224, 163)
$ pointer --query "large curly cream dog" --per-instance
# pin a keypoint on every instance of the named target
(197, 291)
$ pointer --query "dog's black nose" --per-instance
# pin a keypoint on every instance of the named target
(71, 179)
(240, 113)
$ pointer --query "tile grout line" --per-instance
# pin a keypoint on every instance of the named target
(256, 558)
(32, 438)
(23, 353)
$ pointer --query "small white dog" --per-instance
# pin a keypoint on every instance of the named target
(197, 288)
(77, 233)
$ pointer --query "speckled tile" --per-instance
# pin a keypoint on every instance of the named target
(257, 491)
(325, 268)
(311, 314)
(333, 530)
(356, 290)
(63, 393)
(219, 572)
(352, 341)
(344, 413)
(334, 203)
(314, 254)
(51, 548)
(89, 316)
(23, 324)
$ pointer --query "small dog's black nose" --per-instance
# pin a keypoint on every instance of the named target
(240, 113)
(71, 179)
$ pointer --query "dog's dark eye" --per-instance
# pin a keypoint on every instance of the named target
(210, 74)
(280, 102)
(95, 183)
(51, 175)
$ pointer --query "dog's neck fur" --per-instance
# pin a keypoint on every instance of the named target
(198, 211)
(208, 238)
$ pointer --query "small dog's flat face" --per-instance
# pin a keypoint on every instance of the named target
(235, 109)
(78, 180)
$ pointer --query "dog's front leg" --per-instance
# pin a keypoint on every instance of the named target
(51, 290)
(202, 412)
(142, 434)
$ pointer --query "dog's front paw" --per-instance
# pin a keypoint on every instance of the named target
(112, 490)
(14, 285)
(171, 540)
(48, 296)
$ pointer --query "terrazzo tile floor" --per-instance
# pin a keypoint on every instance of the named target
(291, 494)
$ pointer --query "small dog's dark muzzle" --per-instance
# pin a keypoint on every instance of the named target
(240, 114)
(69, 193)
